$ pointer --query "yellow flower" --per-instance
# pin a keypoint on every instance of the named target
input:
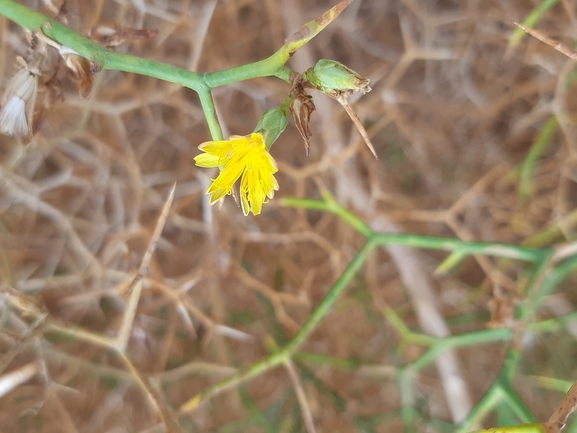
(241, 156)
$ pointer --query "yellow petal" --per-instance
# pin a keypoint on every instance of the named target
(217, 148)
(206, 160)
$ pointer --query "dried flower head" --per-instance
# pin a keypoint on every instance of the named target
(245, 156)
(18, 105)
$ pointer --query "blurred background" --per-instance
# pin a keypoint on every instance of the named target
(456, 115)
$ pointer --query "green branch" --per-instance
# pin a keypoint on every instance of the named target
(107, 59)
(207, 104)
(285, 354)
(535, 255)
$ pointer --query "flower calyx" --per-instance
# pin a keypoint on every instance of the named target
(334, 78)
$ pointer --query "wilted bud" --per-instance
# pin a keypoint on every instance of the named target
(271, 125)
(301, 108)
(332, 77)
(19, 101)
(80, 71)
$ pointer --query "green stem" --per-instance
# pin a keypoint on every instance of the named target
(421, 241)
(554, 232)
(325, 360)
(517, 405)
(484, 336)
(234, 380)
(284, 74)
(547, 283)
(330, 205)
(207, 104)
(491, 398)
(537, 150)
(531, 19)
(111, 60)
(263, 68)
(450, 244)
(284, 355)
(328, 301)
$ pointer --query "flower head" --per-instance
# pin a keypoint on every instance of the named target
(241, 156)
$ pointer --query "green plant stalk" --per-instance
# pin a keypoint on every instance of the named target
(539, 146)
(554, 384)
(484, 336)
(552, 233)
(463, 247)
(323, 389)
(406, 387)
(491, 398)
(522, 428)
(500, 391)
(330, 205)
(517, 404)
(530, 20)
(207, 104)
(550, 281)
(256, 369)
(285, 354)
(262, 68)
(454, 259)
(422, 241)
(330, 298)
(554, 324)
(284, 74)
(325, 360)
(405, 332)
(253, 410)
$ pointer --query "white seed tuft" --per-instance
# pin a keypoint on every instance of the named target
(13, 117)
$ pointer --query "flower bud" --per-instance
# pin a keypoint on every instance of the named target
(271, 125)
(332, 77)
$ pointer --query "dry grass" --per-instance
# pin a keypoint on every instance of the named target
(453, 111)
